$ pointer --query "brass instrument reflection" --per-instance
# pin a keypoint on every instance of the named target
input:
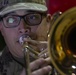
(62, 43)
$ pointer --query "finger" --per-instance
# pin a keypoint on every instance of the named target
(38, 64)
(43, 71)
(48, 60)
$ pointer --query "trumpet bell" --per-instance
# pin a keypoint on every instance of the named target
(62, 43)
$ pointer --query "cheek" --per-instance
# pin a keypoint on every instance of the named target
(34, 29)
(42, 32)
(8, 34)
(33, 33)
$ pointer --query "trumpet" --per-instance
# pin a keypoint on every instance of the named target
(62, 43)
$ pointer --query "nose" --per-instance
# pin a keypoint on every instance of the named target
(23, 27)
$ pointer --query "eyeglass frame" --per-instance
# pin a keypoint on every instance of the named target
(23, 17)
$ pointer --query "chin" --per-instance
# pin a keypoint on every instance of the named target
(19, 54)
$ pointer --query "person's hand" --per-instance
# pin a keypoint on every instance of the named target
(39, 67)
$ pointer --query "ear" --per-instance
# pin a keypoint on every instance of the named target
(48, 19)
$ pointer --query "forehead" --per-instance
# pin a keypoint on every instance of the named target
(21, 12)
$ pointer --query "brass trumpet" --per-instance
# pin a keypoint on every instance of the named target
(62, 43)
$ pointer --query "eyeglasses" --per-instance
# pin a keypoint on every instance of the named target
(31, 19)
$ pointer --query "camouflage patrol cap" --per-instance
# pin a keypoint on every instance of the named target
(7, 6)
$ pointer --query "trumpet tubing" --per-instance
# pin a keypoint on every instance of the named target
(62, 43)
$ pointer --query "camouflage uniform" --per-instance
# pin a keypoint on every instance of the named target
(9, 65)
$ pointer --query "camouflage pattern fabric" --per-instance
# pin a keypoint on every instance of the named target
(8, 65)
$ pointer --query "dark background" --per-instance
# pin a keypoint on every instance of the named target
(60, 5)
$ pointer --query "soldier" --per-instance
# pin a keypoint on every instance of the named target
(18, 19)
